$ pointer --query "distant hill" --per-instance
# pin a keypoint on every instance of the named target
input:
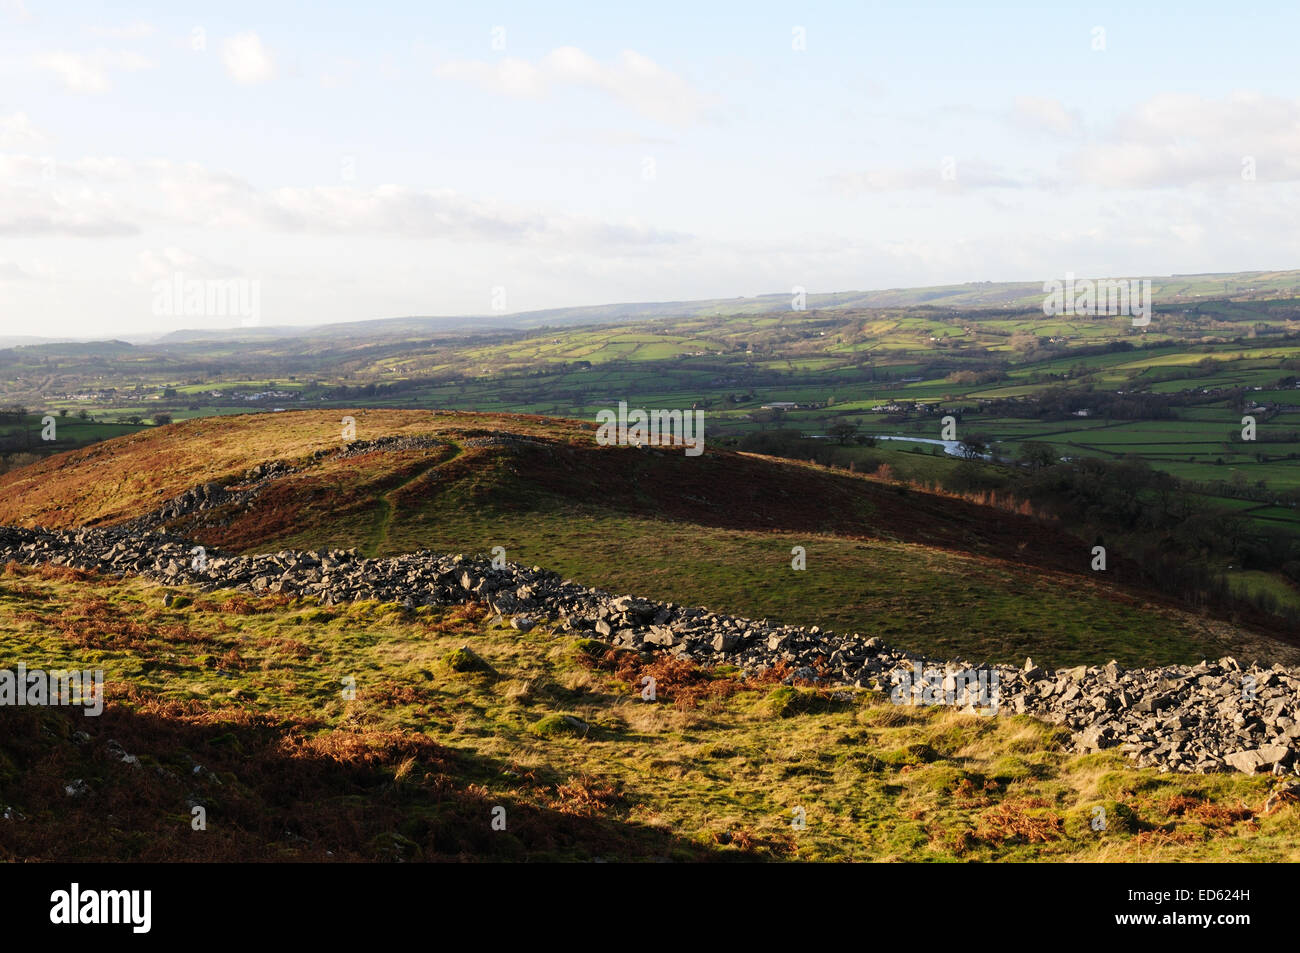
(1248, 285)
(23, 340)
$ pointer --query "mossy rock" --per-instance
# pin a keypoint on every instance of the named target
(396, 847)
(559, 725)
(1122, 783)
(590, 647)
(315, 617)
(1011, 768)
(465, 659)
(227, 740)
(787, 701)
(941, 779)
(859, 760)
(911, 754)
(596, 649)
(1118, 818)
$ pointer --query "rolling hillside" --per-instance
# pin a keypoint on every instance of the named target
(925, 572)
(1165, 289)
(467, 737)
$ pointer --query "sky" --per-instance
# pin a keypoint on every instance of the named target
(202, 166)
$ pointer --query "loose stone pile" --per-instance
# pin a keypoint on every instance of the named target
(200, 499)
(359, 448)
(501, 438)
(213, 496)
(1213, 716)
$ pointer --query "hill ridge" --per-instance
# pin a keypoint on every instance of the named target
(938, 573)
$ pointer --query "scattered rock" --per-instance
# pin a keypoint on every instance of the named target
(561, 725)
(465, 659)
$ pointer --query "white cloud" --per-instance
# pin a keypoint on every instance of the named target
(634, 80)
(1188, 233)
(35, 213)
(247, 59)
(89, 72)
(16, 10)
(114, 196)
(1046, 115)
(1240, 115)
(15, 167)
(18, 132)
(152, 265)
(9, 271)
(1139, 165)
(964, 175)
(510, 77)
(400, 211)
(1176, 140)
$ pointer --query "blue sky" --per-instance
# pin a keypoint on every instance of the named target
(425, 158)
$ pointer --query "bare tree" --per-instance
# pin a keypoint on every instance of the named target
(843, 432)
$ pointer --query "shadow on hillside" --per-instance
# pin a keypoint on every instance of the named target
(121, 787)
